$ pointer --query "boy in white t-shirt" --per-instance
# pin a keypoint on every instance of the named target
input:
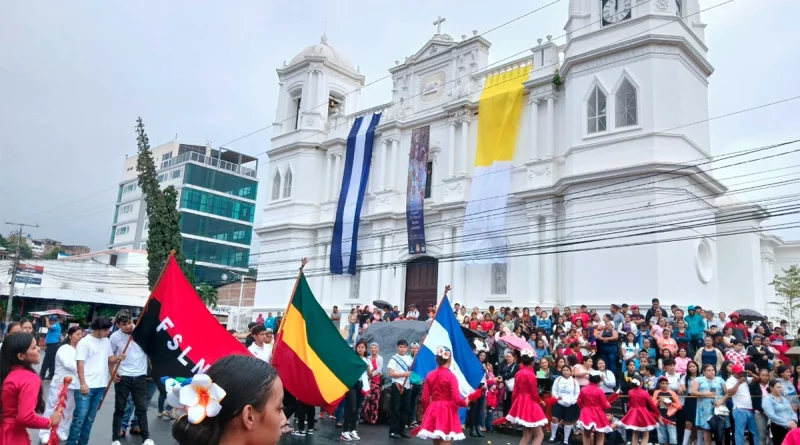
(93, 356)
(131, 379)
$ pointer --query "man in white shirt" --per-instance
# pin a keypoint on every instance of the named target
(130, 380)
(399, 371)
(736, 388)
(93, 357)
(413, 313)
(260, 348)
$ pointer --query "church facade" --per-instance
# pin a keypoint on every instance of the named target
(613, 195)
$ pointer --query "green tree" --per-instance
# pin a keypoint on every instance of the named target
(787, 287)
(17, 242)
(108, 311)
(80, 311)
(53, 254)
(3, 241)
(208, 295)
(163, 231)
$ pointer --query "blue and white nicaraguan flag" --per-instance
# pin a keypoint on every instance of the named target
(354, 184)
(445, 331)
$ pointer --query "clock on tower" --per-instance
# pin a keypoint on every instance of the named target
(615, 11)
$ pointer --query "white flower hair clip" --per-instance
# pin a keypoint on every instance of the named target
(527, 353)
(636, 382)
(197, 397)
(444, 352)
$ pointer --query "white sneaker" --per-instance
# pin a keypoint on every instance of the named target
(148, 442)
(116, 442)
(354, 435)
(345, 436)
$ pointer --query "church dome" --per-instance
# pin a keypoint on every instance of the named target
(322, 49)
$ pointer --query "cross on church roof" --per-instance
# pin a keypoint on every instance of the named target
(438, 24)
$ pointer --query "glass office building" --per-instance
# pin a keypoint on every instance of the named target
(217, 201)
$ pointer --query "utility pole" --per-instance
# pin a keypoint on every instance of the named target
(14, 266)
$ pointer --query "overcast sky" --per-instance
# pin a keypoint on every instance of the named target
(75, 75)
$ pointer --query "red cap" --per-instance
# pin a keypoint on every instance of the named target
(634, 307)
(738, 368)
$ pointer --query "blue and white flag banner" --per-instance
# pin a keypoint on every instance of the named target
(445, 331)
(355, 179)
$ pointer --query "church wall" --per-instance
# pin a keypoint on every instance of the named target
(740, 268)
(607, 274)
(277, 271)
(687, 269)
(681, 99)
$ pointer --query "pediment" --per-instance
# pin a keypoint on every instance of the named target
(434, 47)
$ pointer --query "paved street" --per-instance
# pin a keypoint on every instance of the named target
(161, 431)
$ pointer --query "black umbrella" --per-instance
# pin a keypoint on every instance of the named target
(469, 333)
(749, 315)
(382, 304)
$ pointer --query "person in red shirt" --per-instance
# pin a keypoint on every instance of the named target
(487, 322)
(777, 341)
(739, 328)
(582, 315)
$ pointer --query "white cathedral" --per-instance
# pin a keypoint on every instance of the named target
(613, 197)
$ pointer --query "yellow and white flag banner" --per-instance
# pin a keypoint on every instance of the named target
(499, 111)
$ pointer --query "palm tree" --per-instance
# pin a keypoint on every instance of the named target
(208, 295)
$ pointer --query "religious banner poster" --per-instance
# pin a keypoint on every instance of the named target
(417, 179)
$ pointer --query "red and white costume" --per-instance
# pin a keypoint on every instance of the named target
(526, 407)
(441, 400)
(643, 414)
(592, 401)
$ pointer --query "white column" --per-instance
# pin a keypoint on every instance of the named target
(393, 166)
(327, 284)
(280, 115)
(323, 263)
(549, 273)
(464, 147)
(534, 261)
(382, 171)
(451, 151)
(551, 130)
(322, 94)
(534, 130)
(337, 175)
(375, 274)
(307, 97)
(459, 271)
(447, 248)
(386, 272)
(328, 171)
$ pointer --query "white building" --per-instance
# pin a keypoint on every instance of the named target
(62, 282)
(216, 198)
(609, 165)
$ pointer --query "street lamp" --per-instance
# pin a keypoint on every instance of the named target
(241, 294)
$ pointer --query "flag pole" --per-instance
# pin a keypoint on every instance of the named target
(422, 342)
(130, 337)
(303, 263)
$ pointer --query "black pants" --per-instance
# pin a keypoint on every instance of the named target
(136, 387)
(306, 416)
(49, 363)
(352, 407)
(399, 408)
(778, 433)
(289, 404)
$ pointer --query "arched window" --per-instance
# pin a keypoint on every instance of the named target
(625, 114)
(276, 186)
(596, 111)
(287, 184)
(499, 279)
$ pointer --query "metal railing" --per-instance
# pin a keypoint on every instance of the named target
(208, 160)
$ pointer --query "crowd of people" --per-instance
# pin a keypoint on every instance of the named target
(690, 377)
(674, 377)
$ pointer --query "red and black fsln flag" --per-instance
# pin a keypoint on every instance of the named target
(177, 332)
